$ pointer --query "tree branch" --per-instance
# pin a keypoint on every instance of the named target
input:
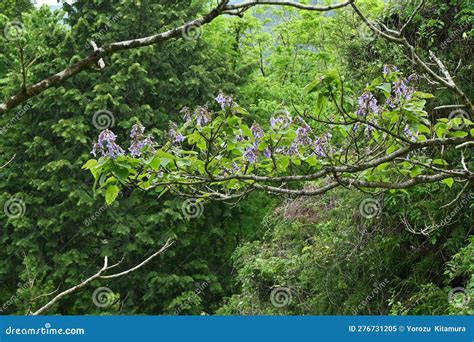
(109, 49)
(99, 275)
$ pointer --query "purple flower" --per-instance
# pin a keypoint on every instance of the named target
(403, 91)
(139, 141)
(240, 137)
(224, 101)
(235, 167)
(251, 153)
(267, 152)
(281, 120)
(320, 146)
(107, 146)
(409, 134)
(292, 150)
(367, 104)
(202, 115)
(257, 131)
(302, 133)
(175, 136)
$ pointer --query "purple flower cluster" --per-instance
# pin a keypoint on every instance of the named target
(409, 134)
(302, 133)
(175, 135)
(251, 152)
(403, 91)
(257, 131)
(201, 114)
(107, 146)
(367, 104)
(139, 141)
(320, 145)
(281, 120)
(225, 101)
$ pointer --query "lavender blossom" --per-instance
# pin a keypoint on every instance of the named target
(302, 134)
(257, 131)
(367, 104)
(224, 101)
(202, 115)
(240, 137)
(292, 150)
(235, 167)
(251, 153)
(175, 135)
(139, 141)
(409, 134)
(267, 152)
(320, 146)
(403, 91)
(107, 146)
(281, 120)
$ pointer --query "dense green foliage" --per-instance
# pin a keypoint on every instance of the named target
(320, 251)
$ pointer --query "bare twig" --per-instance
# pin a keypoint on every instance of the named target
(99, 275)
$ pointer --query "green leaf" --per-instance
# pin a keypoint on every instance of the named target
(89, 164)
(392, 149)
(458, 134)
(111, 194)
(448, 181)
(121, 173)
(386, 88)
(424, 129)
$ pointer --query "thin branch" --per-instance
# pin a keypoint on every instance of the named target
(143, 263)
(8, 162)
(108, 49)
(99, 275)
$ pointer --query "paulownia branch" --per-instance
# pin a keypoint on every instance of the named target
(351, 182)
(328, 170)
(108, 49)
(99, 275)
(329, 176)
